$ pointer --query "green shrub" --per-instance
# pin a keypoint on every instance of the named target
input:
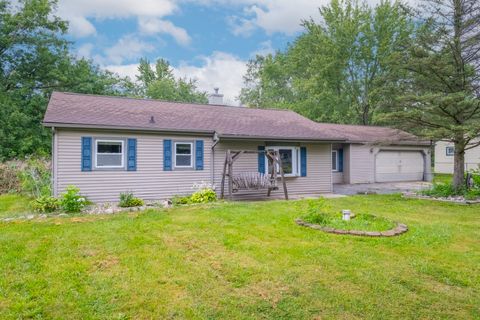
(179, 200)
(128, 200)
(473, 194)
(72, 201)
(476, 178)
(445, 190)
(45, 204)
(314, 210)
(35, 177)
(317, 218)
(203, 196)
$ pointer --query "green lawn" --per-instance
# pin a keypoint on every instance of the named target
(243, 261)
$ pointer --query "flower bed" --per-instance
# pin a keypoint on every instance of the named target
(319, 216)
(397, 230)
(452, 199)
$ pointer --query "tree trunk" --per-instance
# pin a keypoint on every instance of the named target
(459, 166)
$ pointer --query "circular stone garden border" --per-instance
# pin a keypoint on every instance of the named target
(398, 230)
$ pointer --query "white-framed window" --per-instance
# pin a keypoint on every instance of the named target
(290, 161)
(449, 151)
(183, 154)
(334, 160)
(109, 153)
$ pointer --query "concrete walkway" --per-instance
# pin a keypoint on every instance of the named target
(380, 188)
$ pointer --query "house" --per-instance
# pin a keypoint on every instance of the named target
(157, 149)
(444, 153)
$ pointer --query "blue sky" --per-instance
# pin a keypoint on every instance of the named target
(209, 40)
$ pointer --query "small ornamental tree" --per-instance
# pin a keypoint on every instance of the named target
(437, 84)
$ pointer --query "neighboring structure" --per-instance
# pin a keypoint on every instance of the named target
(156, 149)
(444, 154)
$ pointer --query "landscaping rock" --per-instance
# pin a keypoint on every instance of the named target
(389, 233)
(357, 232)
(328, 229)
(30, 216)
(399, 229)
(167, 203)
(452, 199)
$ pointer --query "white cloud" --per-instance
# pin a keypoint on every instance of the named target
(272, 16)
(85, 50)
(241, 26)
(128, 47)
(220, 69)
(264, 49)
(80, 27)
(284, 16)
(127, 70)
(78, 13)
(154, 25)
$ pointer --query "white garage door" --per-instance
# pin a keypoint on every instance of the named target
(399, 166)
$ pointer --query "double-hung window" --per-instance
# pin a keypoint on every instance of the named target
(109, 153)
(183, 154)
(290, 161)
(449, 151)
(334, 160)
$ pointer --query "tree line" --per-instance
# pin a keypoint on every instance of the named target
(390, 64)
(412, 68)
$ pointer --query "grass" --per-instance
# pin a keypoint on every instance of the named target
(243, 261)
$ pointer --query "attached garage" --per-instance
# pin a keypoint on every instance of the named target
(401, 165)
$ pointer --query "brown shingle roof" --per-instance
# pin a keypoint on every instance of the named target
(117, 112)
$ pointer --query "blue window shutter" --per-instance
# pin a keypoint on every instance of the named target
(199, 155)
(167, 155)
(340, 160)
(86, 153)
(261, 159)
(132, 154)
(303, 161)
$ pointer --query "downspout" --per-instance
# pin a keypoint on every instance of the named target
(54, 163)
(216, 140)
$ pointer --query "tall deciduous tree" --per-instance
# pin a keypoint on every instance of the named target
(161, 84)
(437, 83)
(34, 60)
(334, 71)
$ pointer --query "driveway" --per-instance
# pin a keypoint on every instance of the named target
(380, 188)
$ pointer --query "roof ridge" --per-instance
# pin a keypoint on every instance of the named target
(168, 101)
(360, 125)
